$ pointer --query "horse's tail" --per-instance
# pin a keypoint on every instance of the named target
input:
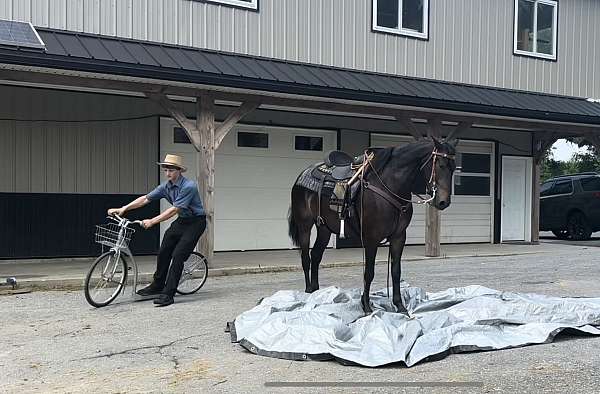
(293, 229)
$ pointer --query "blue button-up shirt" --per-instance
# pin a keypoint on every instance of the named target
(182, 194)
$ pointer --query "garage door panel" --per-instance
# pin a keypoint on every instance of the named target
(252, 185)
(232, 171)
(235, 203)
(244, 234)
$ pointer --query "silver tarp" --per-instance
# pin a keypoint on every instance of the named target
(330, 323)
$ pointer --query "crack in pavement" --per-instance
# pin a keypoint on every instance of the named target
(133, 350)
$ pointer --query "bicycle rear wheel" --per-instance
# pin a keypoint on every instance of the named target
(194, 274)
(105, 279)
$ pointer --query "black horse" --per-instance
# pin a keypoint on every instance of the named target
(425, 165)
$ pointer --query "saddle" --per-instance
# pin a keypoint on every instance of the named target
(336, 178)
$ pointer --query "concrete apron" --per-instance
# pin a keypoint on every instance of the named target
(231, 263)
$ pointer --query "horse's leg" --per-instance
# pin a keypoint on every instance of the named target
(316, 254)
(370, 254)
(305, 256)
(396, 248)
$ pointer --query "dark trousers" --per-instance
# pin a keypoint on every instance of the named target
(177, 244)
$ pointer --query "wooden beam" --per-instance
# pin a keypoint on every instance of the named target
(205, 169)
(458, 130)
(595, 140)
(541, 143)
(232, 120)
(434, 127)
(409, 126)
(267, 98)
(188, 126)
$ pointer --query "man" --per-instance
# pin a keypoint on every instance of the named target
(183, 234)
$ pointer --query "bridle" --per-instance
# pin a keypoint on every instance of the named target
(431, 184)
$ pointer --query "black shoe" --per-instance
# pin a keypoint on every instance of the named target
(164, 300)
(149, 290)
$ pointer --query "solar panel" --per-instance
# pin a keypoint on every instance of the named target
(21, 34)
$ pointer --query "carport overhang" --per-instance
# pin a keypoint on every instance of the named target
(68, 64)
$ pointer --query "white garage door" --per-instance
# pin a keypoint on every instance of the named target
(470, 215)
(255, 168)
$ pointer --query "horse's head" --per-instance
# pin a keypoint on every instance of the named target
(437, 172)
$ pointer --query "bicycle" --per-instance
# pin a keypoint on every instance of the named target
(103, 287)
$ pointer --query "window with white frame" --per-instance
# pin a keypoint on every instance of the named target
(535, 28)
(405, 17)
(474, 176)
(250, 4)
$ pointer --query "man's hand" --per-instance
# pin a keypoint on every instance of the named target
(118, 211)
(147, 223)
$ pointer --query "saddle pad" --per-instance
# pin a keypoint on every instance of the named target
(308, 181)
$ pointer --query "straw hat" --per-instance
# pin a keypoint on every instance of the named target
(173, 160)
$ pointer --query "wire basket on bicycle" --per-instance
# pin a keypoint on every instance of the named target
(113, 235)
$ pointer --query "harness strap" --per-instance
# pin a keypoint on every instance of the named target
(387, 196)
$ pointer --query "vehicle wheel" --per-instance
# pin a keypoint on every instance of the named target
(561, 234)
(105, 279)
(194, 274)
(578, 227)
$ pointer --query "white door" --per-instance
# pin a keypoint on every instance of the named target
(516, 198)
(469, 218)
(253, 183)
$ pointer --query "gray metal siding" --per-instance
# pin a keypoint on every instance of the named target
(82, 157)
(470, 41)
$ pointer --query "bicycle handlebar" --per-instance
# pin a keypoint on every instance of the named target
(125, 222)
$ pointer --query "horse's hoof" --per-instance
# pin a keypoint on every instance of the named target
(309, 290)
(402, 309)
(366, 307)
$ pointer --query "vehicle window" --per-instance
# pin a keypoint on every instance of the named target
(564, 186)
(545, 188)
(591, 184)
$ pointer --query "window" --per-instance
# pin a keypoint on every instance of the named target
(545, 188)
(474, 176)
(252, 140)
(535, 28)
(180, 136)
(405, 17)
(249, 4)
(303, 142)
(564, 186)
(591, 184)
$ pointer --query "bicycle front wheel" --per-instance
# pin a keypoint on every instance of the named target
(194, 274)
(105, 279)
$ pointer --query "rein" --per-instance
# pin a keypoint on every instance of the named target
(431, 183)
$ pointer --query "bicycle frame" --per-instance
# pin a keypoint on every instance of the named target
(121, 248)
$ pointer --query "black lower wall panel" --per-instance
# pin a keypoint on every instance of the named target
(46, 225)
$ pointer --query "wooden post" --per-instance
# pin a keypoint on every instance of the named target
(432, 231)
(205, 169)
(432, 214)
(535, 212)
(206, 139)
(541, 144)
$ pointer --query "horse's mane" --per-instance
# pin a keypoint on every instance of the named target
(411, 153)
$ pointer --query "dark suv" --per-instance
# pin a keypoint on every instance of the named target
(570, 205)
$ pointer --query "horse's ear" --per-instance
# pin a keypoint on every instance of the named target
(436, 142)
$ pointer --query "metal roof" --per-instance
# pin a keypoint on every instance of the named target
(95, 53)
